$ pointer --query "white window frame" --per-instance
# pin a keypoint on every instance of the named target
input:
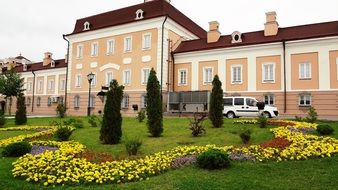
(79, 51)
(62, 84)
(240, 79)
(94, 81)
(28, 101)
(143, 80)
(146, 45)
(92, 101)
(126, 81)
(78, 81)
(207, 80)
(40, 83)
(185, 81)
(107, 79)
(110, 47)
(94, 52)
(143, 101)
(125, 101)
(269, 97)
(29, 86)
(303, 75)
(305, 97)
(38, 101)
(128, 48)
(268, 78)
(76, 101)
(51, 85)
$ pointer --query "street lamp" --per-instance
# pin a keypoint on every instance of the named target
(90, 78)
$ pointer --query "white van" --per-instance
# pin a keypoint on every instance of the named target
(239, 106)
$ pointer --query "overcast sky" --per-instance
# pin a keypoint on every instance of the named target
(32, 27)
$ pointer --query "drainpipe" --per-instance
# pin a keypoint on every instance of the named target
(284, 65)
(64, 37)
(173, 80)
(162, 50)
(33, 91)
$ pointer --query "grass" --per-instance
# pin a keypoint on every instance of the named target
(309, 174)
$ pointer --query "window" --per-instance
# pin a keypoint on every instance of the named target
(51, 85)
(305, 100)
(110, 47)
(40, 85)
(207, 75)
(95, 49)
(250, 102)
(78, 80)
(127, 44)
(268, 72)
(228, 101)
(49, 101)
(239, 101)
(139, 14)
(145, 75)
(63, 84)
(28, 101)
(269, 99)
(236, 74)
(86, 26)
(60, 100)
(109, 78)
(24, 67)
(93, 83)
(38, 101)
(182, 77)
(52, 63)
(305, 71)
(143, 101)
(76, 101)
(146, 41)
(79, 52)
(92, 101)
(125, 102)
(126, 77)
(29, 86)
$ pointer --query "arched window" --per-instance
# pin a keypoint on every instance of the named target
(49, 101)
(86, 26)
(77, 101)
(38, 101)
(125, 101)
(139, 14)
(143, 101)
(236, 37)
(92, 101)
(28, 101)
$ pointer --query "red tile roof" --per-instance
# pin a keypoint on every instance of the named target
(152, 9)
(38, 66)
(318, 30)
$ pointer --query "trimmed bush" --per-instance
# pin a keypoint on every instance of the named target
(17, 149)
(325, 129)
(63, 133)
(141, 115)
(262, 121)
(61, 110)
(133, 146)
(213, 159)
(245, 136)
(20, 114)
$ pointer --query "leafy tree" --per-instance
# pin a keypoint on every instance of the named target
(216, 103)
(20, 114)
(111, 131)
(154, 105)
(11, 85)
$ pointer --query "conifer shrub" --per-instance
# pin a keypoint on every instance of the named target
(311, 115)
(20, 114)
(2, 119)
(213, 159)
(216, 103)
(141, 116)
(325, 129)
(17, 149)
(61, 110)
(262, 121)
(245, 136)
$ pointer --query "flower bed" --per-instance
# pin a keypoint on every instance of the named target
(63, 167)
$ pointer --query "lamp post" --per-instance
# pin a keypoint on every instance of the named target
(90, 78)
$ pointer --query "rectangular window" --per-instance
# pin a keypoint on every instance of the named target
(305, 71)
(110, 47)
(125, 102)
(78, 81)
(207, 75)
(268, 72)
(236, 74)
(94, 80)
(51, 85)
(182, 77)
(145, 75)
(146, 41)
(143, 101)
(126, 77)
(29, 86)
(38, 101)
(127, 44)
(109, 78)
(40, 85)
(269, 99)
(95, 49)
(76, 101)
(239, 101)
(228, 101)
(79, 52)
(63, 84)
(92, 102)
(305, 100)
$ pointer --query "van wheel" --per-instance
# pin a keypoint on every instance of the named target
(267, 114)
(231, 114)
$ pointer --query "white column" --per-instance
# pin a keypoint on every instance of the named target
(324, 69)
(251, 73)
(222, 71)
(194, 75)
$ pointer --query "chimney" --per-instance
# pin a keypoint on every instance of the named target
(47, 59)
(213, 34)
(271, 25)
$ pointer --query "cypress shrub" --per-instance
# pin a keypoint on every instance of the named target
(20, 114)
(111, 131)
(154, 105)
(216, 103)
(2, 119)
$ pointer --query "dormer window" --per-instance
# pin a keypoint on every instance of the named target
(236, 37)
(52, 63)
(24, 67)
(139, 14)
(86, 26)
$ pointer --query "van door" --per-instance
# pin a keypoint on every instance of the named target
(251, 107)
(239, 107)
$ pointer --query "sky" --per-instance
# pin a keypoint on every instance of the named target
(32, 27)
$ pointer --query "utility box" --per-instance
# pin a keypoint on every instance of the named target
(190, 101)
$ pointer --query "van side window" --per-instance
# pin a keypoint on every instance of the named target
(239, 101)
(227, 101)
(250, 102)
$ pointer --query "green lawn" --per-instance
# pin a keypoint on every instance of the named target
(309, 174)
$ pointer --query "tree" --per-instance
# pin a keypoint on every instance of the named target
(11, 85)
(216, 103)
(20, 114)
(111, 131)
(154, 105)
